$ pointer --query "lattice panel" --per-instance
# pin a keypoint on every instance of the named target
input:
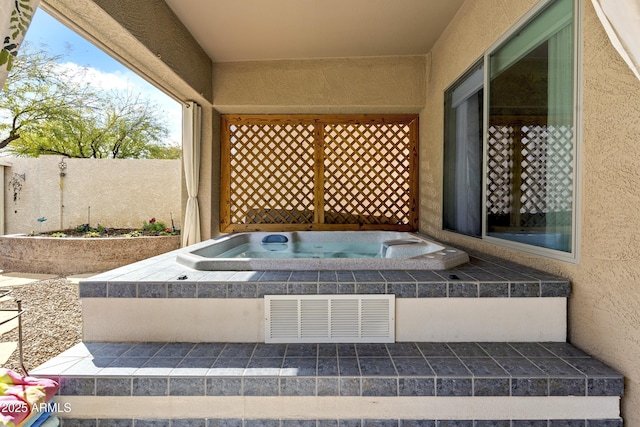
(499, 165)
(560, 174)
(533, 185)
(535, 164)
(272, 175)
(367, 173)
(319, 172)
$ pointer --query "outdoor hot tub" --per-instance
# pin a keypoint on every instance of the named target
(321, 250)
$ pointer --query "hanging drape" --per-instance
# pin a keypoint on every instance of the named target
(466, 100)
(191, 119)
(15, 17)
(559, 139)
(468, 173)
(621, 21)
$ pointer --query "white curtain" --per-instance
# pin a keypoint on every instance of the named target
(466, 100)
(191, 120)
(467, 170)
(621, 21)
(15, 17)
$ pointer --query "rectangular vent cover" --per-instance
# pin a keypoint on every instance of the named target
(329, 318)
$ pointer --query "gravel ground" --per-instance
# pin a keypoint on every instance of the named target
(51, 324)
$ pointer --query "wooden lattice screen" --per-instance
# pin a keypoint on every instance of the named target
(530, 173)
(319, 172)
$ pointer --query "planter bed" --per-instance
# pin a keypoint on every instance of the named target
(69, 255)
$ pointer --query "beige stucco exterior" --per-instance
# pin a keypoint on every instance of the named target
(344, 407)
(91, 191)
(604, 307)
(348, 85)
(242, 319)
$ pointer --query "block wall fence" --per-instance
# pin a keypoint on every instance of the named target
(117, 193)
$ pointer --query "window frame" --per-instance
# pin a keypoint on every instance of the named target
(573, 255)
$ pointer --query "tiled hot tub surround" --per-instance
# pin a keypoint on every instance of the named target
(482, 277)
(400, 369)
(556, 383)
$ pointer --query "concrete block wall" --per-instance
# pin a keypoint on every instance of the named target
(117, 193)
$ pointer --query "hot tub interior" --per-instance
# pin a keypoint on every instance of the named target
(321, 250)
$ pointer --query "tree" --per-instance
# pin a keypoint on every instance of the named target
(50, 109)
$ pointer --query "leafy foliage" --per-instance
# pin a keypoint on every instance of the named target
(51, 109)
(21, 16)
(151, 228)
(155, 227)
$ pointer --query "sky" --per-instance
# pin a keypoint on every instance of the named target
(103, 71)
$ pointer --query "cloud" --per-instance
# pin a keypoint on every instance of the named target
(96, 78)
(127, 80)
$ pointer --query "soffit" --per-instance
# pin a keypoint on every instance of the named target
(254, 30)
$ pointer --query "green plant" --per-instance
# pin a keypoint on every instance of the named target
(154, 226)
(83, 228)
(58, 234)
(134, 233)
(93, 234)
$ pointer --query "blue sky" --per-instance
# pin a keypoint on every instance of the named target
(105, 71)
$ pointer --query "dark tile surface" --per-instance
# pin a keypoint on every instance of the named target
(223, 387)
(529, 387)
(150, 386)
(491, 387)
(463, 290)
(122, 290)
(454, 386)
(493, 290)
(238, 422)
(432, 290)
(113, 386)
(398, 369)
(484, 276)
(484, 367)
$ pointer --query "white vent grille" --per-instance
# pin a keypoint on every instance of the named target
(329, 318)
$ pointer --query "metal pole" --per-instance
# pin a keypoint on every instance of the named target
(20, 338)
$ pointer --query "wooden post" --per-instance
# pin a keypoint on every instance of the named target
(3, 163)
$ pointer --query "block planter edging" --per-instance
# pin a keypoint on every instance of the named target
(73, 255)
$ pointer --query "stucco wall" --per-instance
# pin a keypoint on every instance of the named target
(121, 193)
(604, 309)
(353, 85)
(329, 86)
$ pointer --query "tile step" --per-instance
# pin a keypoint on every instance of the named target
(312, 408)
(524, 369)
(238, 422)
(386, 385)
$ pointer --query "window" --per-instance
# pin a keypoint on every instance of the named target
(529, 156)
(463, 154)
